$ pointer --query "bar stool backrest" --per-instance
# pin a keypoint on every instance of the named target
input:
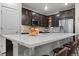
(63, 52)
(74, 47)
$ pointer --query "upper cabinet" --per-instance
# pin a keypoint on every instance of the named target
(36, 19)
(26, 17)
(44, 21)
(29, 18)
(67, 14)
(54, 20)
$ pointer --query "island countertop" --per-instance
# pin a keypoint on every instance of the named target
(33, 41)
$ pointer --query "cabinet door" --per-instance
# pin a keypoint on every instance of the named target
(3, 44)
(10, 21)
(26, 17)
(29, 17)
(44, 21)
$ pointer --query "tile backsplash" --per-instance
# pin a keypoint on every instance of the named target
(26, 28)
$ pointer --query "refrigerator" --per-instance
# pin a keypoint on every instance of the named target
(67, 25)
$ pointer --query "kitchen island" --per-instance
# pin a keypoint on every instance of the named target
(36, 45)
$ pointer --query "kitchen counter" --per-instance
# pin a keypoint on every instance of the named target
(34, 41)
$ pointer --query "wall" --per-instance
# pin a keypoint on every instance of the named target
(77, 17)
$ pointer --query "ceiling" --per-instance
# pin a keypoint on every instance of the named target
(53, 8)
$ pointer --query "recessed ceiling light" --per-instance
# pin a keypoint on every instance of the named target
(45, 7)
(66, 4)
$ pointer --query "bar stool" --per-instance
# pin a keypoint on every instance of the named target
(60, 51)
(78, 44)
(69, 44)
(63, 52)
(56, 50)
(73, 47)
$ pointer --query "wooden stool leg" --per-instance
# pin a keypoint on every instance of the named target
(77, 51)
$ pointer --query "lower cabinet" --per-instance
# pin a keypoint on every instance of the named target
(6, 47)
(4, 54)
(2, 45)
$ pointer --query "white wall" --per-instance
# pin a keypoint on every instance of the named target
(77, 17)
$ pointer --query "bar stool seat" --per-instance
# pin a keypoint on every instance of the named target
(56, 50)
(60, 51)
(63, 52)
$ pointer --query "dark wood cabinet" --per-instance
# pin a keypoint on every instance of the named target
(54, 20)
(44, 21)
(36, 17)
(26, 17)
(67, 14)
(30, 18)
(40, 20)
